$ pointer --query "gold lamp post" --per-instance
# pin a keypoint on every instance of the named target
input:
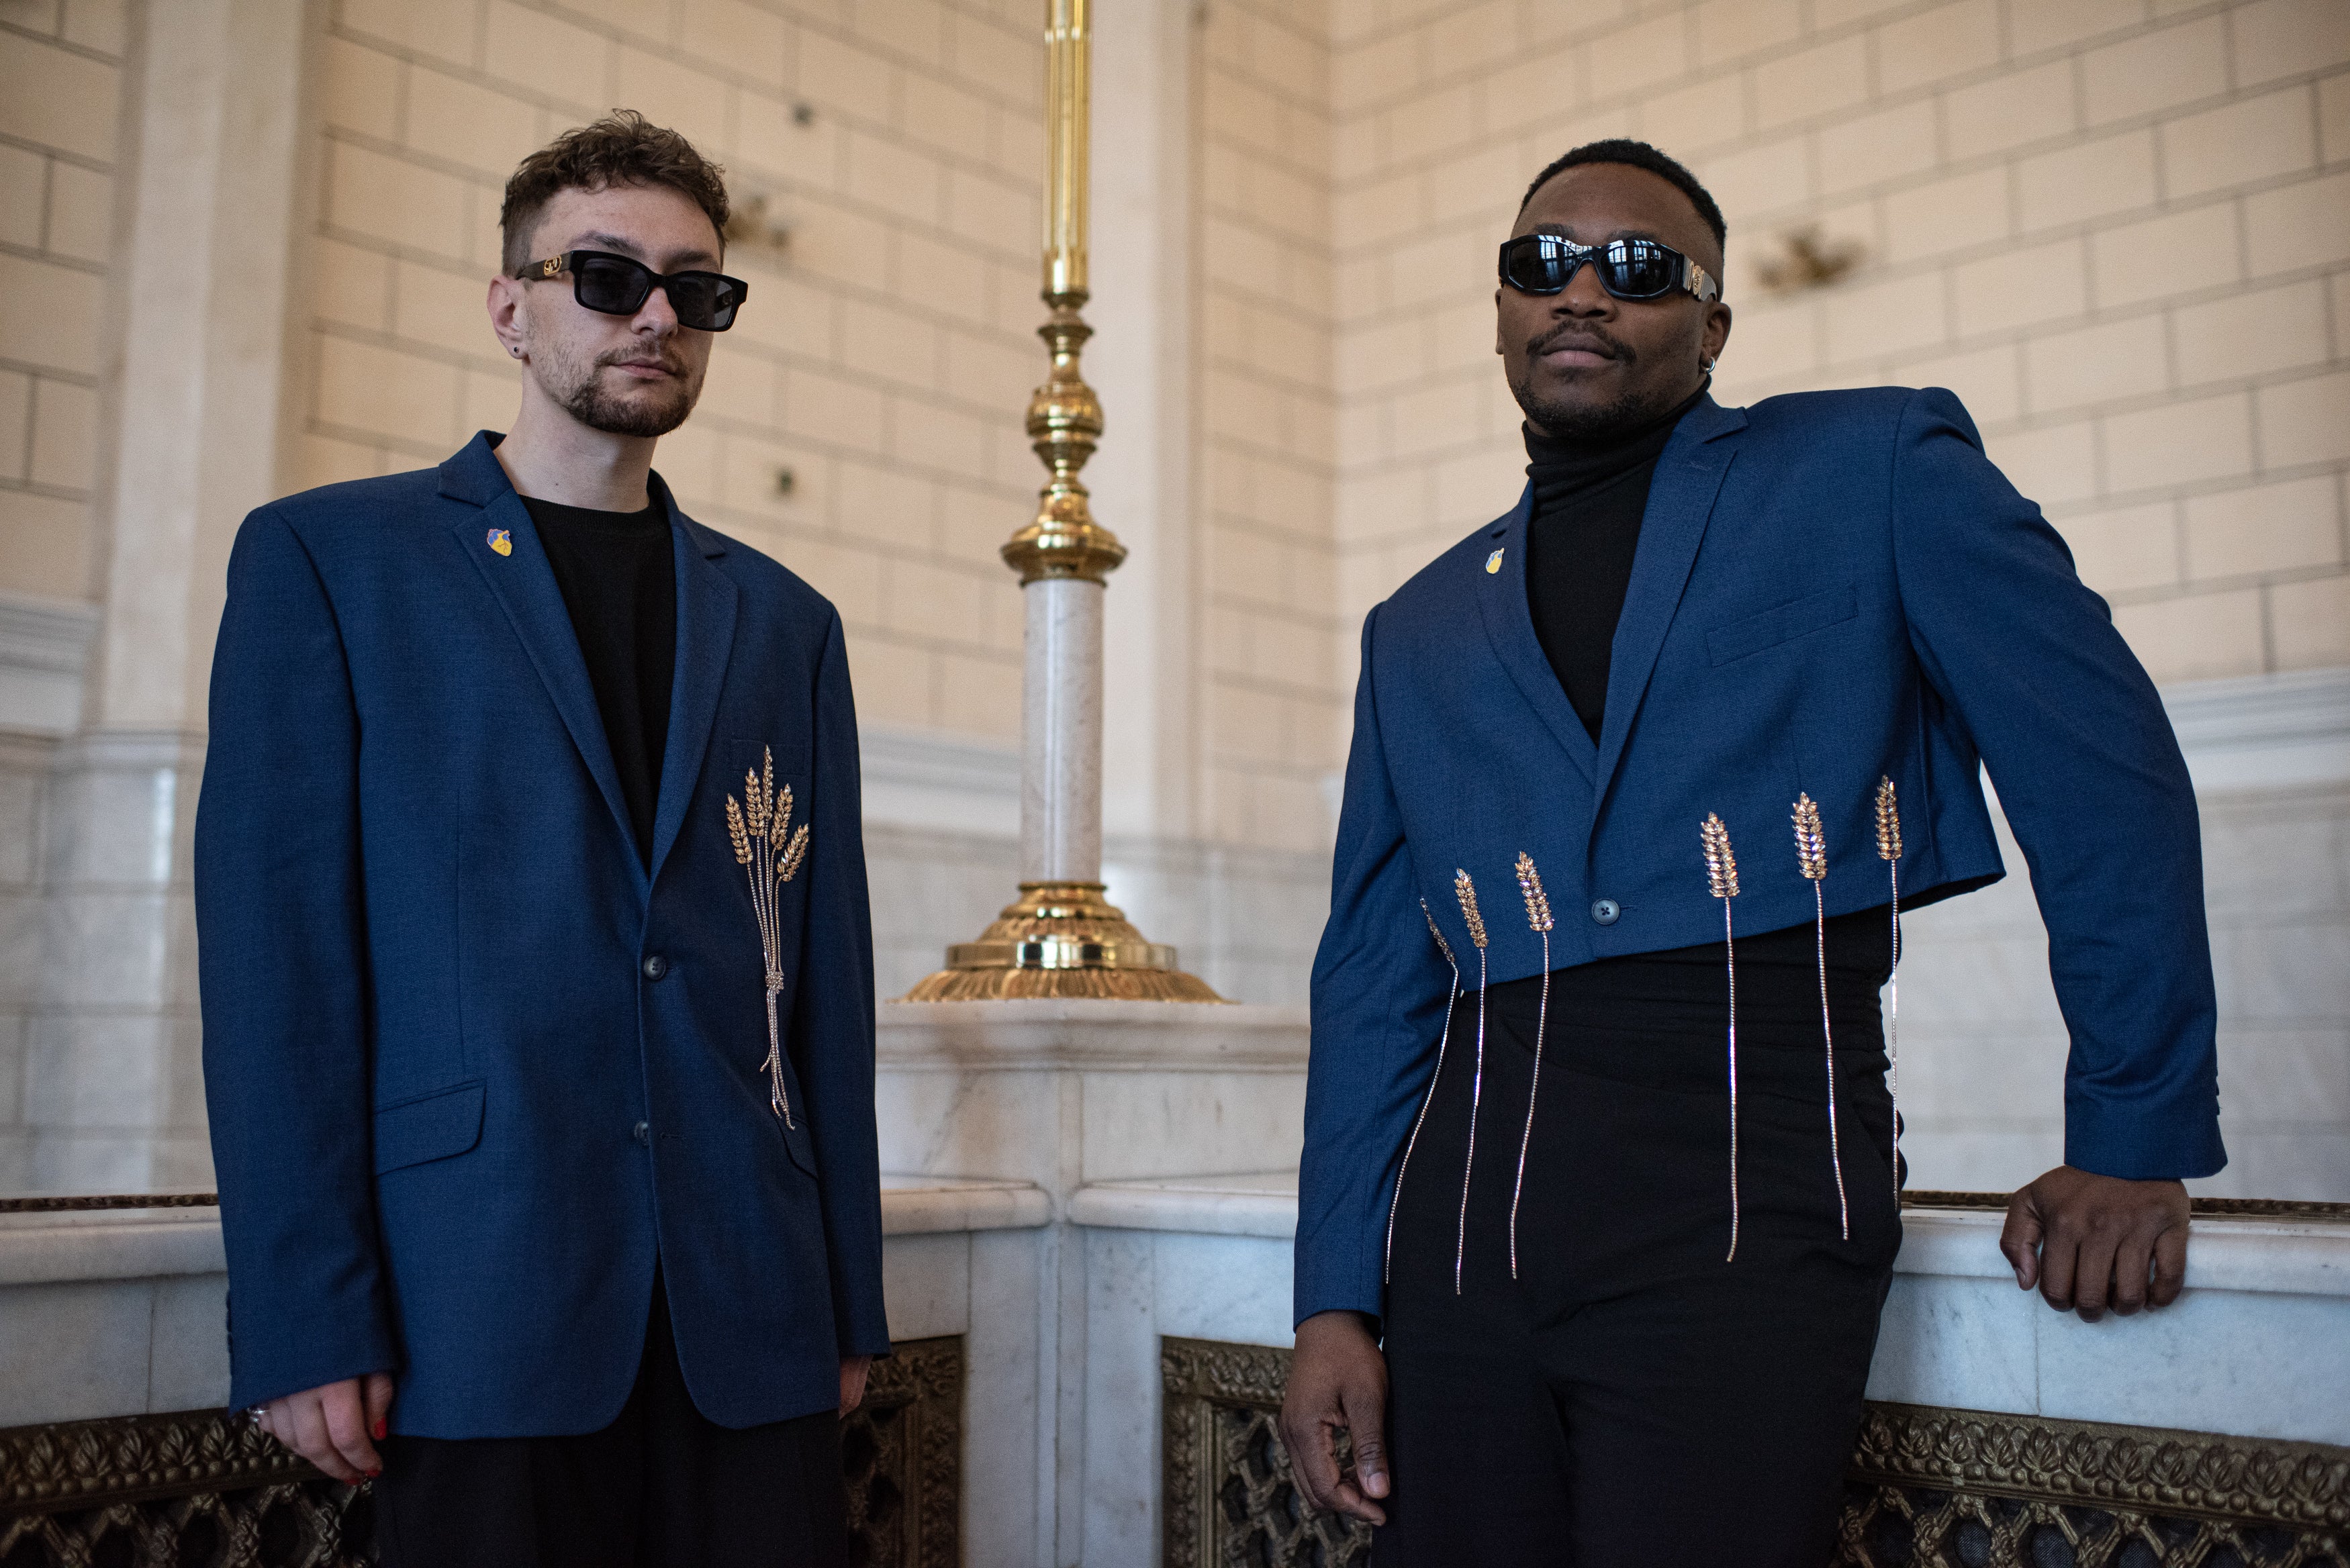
(1061, 937)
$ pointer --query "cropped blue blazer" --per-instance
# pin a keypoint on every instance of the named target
(459, 1116)
(1830, 588)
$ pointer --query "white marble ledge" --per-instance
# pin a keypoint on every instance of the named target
(1258, 1203)
(110, 1244)
(153, 1243)
(935, 1204)
(2289, 1257)
(1091, 1035)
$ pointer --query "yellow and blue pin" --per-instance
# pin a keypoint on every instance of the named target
(1493, 563)
(500, 541)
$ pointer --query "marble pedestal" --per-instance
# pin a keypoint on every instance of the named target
(1068, 1097)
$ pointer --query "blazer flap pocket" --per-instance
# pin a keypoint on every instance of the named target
(434, 1126)
(1782, 623)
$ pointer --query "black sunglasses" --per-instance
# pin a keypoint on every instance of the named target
(620, 286)
(1628, 269)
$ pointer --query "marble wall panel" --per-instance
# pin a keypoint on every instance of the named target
(1184, 1124)
(926, 1281)
(188, 1343)
(1968, 1343)
(1006, 1514)
(2284, 1375)
(1121, 1385)
(74, 1350)
(1234, 1288)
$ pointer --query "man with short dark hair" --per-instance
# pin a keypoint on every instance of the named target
(1611, 1171)
(537, 963)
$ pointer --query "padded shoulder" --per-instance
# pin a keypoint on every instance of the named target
(387, 498)
(1865, 412)
(763, 577)
(1435, 586)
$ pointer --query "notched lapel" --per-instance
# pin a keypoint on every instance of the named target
(1510, 626)
(523, 585)
(1688, 476)
(706, 606)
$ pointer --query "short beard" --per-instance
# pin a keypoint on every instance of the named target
(1582, 421)
(581, 392)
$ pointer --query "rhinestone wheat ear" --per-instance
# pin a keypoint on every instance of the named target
(1889, 849)
(1812, 857)
(1387, 1261)
(1721, 880)
(1466, 891)
(1538, 919)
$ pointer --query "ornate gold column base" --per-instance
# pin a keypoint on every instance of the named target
(1061, 940)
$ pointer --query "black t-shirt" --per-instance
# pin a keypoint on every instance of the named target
(620, 583)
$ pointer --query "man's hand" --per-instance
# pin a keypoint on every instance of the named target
(2090, 1242)
(330, 1426)
(853, 1369)
(1337, 1378)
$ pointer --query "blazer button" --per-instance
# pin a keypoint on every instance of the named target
(642, 1132)
(656, 966)
(1604, 912)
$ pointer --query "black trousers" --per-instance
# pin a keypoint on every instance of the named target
(661, 1486)
(1629, 1397)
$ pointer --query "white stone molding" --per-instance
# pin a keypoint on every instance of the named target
(1091, 1036)
(44, 648)
(929, 779)
(2264, 731)
(1260, 1204)
(937, 1205)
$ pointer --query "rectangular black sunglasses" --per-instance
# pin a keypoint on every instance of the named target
(1628, 269)
(620, 286)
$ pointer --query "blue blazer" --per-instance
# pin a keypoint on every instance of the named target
(458, 1111)
(1830, 588)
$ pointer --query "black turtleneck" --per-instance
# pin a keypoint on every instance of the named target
(1588, 498)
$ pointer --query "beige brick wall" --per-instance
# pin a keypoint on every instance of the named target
(2119, 229)
(884, 357)
(1275, 707)
(60, 68)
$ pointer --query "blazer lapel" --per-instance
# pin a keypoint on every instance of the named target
(1510, 626)
(1688, 476)
(706, 603)
(523, 585)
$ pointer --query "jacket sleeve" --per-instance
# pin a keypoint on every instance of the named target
(2090, 775)
(1379, 992)
(832, 1018)
(282, 958)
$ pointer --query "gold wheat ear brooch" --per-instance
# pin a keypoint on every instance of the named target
(770, 850)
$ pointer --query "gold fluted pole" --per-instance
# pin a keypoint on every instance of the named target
(1061, 937)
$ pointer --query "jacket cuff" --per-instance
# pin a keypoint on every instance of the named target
(2143, 1146)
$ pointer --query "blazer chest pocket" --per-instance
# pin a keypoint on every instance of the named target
(1782, 623)
(432, 1126)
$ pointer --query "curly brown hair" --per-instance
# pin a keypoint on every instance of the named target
(621, 149)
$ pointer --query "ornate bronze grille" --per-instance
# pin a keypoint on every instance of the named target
(1928, 1488)
(199, 1486)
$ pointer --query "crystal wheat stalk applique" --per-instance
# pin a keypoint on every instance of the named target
(1721, 880)
(1812, 857)
(1538, 917)
(1889, 849)
(771, 856)
(1388, 1259)
(1466, 891)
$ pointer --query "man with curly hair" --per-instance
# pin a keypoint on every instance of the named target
(537, 963)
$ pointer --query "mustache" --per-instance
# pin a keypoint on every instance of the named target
(1576, 335)
(673, 364)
